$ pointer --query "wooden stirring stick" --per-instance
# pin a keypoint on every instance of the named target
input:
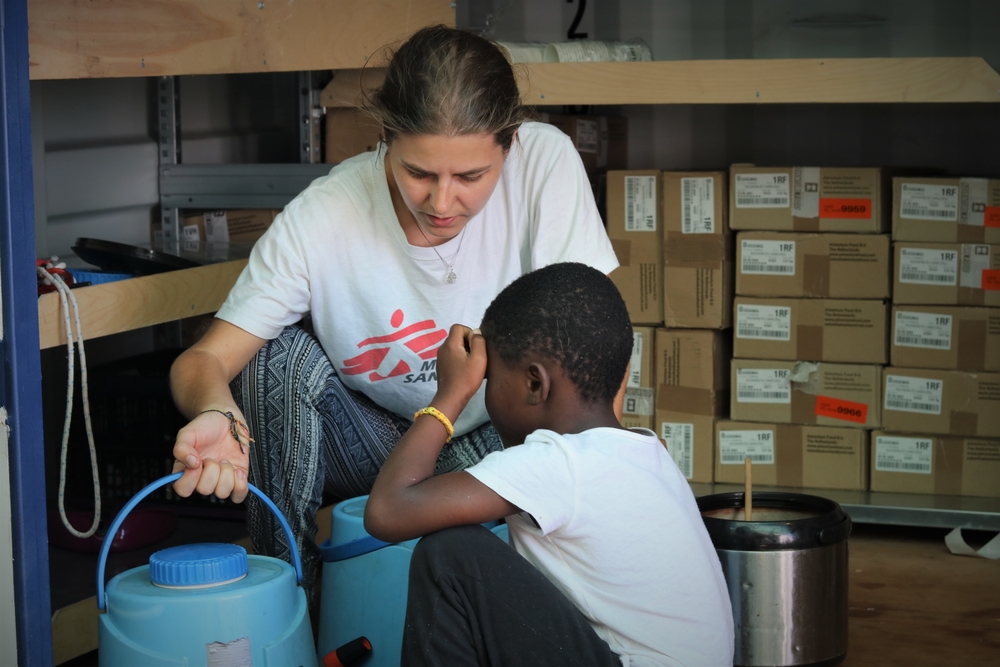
(747, 493)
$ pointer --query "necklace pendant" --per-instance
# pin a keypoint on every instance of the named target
(451, 276)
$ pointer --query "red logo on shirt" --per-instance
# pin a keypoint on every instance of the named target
(386, 356)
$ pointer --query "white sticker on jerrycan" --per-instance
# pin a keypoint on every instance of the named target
(231, 654)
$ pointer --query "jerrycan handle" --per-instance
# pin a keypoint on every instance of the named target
(163, 481)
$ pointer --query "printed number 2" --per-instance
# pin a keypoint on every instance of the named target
(572, 33)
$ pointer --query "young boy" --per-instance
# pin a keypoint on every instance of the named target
(613, 565)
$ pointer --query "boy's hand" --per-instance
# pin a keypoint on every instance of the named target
(461, 368)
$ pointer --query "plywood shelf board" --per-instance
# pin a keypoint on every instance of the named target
(68, 39)
(140, 302)
(786, 81)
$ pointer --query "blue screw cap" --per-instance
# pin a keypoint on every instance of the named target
(198, 565)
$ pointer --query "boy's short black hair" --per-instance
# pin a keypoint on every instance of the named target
(571, 313)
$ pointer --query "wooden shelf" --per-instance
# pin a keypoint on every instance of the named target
(788, 81)
(68, 39)
(140, 302)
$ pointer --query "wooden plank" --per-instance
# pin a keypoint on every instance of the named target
(140, 302)
(74, 630)
(76, 39)
(847, 80)
(789, 81)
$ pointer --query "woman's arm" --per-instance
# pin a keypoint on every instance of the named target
(212, 460)
(407, 500)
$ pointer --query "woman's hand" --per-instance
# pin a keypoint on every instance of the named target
(461, 368)
(213, 462)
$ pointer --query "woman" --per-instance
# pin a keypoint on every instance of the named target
(384, 254)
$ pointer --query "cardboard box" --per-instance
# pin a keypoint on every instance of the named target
(948, 337)
(689, 439)
(217, 227)
(640, 401)
(840, 330)
(825, 266)
(349, 132)
(698, 281)
(691, 395)
(692, 358)
(635, 227)
(816, 457)
(958, 274)
(808, 199)
(802, 392)
(697, 251)
(935, 464)
(928, 400)
(601, 141)
(948, 210)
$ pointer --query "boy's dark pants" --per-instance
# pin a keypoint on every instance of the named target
(473, 600)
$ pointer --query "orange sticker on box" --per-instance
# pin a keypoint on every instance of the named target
(991, 279)
(991, 218)
(836, 408)
(855, 209)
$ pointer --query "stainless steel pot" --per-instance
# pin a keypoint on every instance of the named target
(787, 576)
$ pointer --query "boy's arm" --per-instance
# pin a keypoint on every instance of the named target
(407, 500)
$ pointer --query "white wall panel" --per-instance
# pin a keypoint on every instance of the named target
(86, 180)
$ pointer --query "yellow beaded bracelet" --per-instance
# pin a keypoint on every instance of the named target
(440, 416)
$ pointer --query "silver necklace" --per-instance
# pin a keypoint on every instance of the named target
(451, 276)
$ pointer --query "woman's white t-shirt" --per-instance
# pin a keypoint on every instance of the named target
(380, 306)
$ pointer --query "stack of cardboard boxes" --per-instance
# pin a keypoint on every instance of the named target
(941, 418)
(672, 239)
(811, 325)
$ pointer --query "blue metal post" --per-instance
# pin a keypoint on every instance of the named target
(21, 386)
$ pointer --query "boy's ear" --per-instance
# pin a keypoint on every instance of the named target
(539, 383)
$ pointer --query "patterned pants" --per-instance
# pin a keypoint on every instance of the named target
(312, 434)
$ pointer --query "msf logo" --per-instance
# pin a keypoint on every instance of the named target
(398, 353)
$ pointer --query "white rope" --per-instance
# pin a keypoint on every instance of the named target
(66, 294)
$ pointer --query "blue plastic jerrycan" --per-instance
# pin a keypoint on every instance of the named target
(204, 605)
(364, 585)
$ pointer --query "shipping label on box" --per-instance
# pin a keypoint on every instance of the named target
(799, 392)
(811, 199)
(961, 274)
(820, 457)
(693, 358)
(947, 210)
(841, 266)
(926, 400)
(689, 439)
(640, 402)
(935, 464)
(839, 330)
(948, 337)
(636, 232)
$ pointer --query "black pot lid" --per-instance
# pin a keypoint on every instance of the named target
(123, 258)
(782, 521)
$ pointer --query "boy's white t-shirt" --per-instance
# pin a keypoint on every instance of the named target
(380, 306)
(620, 534)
